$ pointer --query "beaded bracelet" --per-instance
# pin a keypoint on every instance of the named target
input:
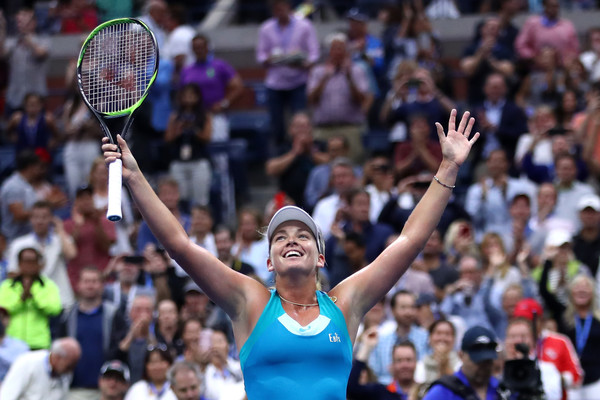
(443, 184)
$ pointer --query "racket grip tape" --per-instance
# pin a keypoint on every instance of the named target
(115, 180)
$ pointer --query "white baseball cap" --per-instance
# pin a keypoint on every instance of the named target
(590, 200)
(293, 213)
(558, 237)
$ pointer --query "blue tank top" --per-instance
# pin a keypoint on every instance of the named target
(284, 360)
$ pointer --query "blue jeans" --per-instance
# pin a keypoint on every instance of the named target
(278, 101)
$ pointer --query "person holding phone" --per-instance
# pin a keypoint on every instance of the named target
(296, 341)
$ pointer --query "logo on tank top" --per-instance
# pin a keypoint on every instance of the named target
(334, 338)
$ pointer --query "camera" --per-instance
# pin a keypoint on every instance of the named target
(522, 379)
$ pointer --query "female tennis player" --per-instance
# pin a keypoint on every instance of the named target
(296, 341)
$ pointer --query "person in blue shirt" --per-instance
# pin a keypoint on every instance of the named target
(296, 341)
(478, 352)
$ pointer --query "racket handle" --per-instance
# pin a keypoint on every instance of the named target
(115, 175)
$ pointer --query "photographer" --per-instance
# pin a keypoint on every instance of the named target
(528, 380)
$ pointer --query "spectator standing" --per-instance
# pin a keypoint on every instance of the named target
(590, 58)
(17, 196)
(154, 15)
(125, 288)
(570, 190)
(131, 336)
(90, 321)
(464, 298)
(501, 119)
(287, 47)
(293, 167)
(113, 381)
(178, 43)
(27, 59)
(318, 182)
(586, 243)
(57, 246)
(31, 300)
(188, 133)
(221, 85)
(338, 91)
(343, 179)
(166, 327)
(404, 309)
(92, 232)
(548, 29)
(33, 128)
(42, 374)
(81, 133)
(487, 54)
(486, 201)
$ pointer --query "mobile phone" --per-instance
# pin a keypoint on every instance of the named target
(414, 83)
(421, 184)
(558, 131)
(138, 260)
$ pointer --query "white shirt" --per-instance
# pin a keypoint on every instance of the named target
(141, 390)
(550, 380)
(226, 385)
(324, 213)
(55, 266)
(179, 41)
(29, 379)
(256, 255)
(208, 243)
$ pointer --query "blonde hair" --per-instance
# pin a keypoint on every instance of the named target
(569, 315)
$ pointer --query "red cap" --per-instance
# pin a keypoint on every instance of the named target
(526, 307)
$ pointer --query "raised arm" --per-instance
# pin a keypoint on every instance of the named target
(357, 294)
(230, 290)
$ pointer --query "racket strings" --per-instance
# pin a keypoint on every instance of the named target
(117, 67)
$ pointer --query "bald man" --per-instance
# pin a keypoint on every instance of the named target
(42, 374)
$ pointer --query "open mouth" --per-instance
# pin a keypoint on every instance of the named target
(292, 253)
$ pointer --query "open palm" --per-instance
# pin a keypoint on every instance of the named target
(456, 145)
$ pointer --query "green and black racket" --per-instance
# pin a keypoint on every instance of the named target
(117, 65)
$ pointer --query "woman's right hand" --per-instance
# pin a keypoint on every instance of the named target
(130, 166)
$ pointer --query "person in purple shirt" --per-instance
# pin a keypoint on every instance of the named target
(220, 83)
(338, 91)
(287, 47)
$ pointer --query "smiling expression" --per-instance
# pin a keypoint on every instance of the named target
(293, 244)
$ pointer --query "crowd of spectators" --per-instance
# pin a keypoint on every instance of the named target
(99, 310)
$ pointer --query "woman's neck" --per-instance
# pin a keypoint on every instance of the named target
(582, 311)
(158, 383)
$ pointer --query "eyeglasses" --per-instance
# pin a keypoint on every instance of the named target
(158, 346)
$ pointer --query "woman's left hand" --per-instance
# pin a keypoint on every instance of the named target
(456, 145)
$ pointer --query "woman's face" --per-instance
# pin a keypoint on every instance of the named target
(293, 247)
(248, 226)
(569, 102)
(442, 335)
(191, 332)
(582, 294)
(157, 367)
(189, 97)
(99, 175)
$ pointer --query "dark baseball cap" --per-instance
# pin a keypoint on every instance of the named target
(117, 367)
(480, 344)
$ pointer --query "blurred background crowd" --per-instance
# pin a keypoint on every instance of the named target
(328, 105)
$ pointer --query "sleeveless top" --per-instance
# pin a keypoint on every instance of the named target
(283, 360)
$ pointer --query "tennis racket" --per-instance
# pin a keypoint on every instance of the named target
(117, 65)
